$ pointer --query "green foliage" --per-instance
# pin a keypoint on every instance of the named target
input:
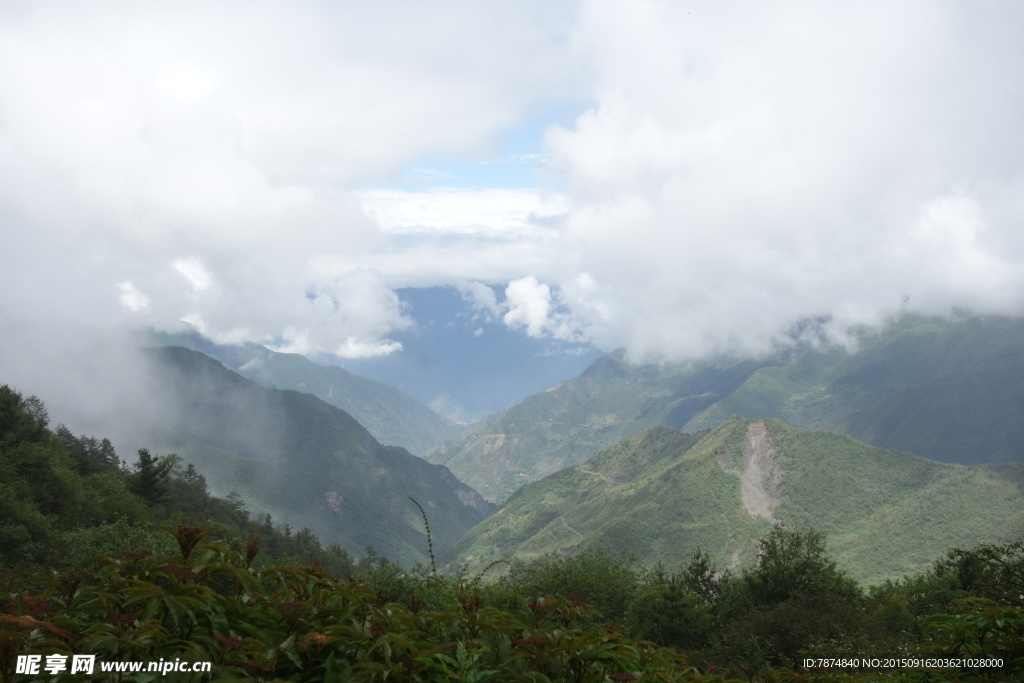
(21, 419)
(606, 580)
(981, 630)
(63, 498)
(149, 477)
(995, 572)
(791, 601)
(670, 615)
(89, 455)
(301, 624)
(208, 592)
(793, 563)
(201, 601)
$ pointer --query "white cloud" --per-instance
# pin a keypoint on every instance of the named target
(741, 166)
(529, 303)
(508, 213)
(481, 299)
(193, 271)
(131, 298)
(236, 134)
(749, 165)
(354, 348)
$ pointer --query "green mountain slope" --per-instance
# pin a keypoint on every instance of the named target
(570, 422)
(306, 462)
(949, 390)
(663, 494)
(393, 417)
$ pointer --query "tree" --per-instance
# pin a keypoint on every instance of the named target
(21, 419)
(670, 614)
(149, 477)
(702, 577)
(609, 581)
(794, 563)
(991, 571)
(89, 455)
(792, 601)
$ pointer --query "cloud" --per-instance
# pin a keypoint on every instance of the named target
(201, 162)
(354, 348)
(481, 298)
(529, 303)
(131, 298)
(734, 168)
(84, 383)
(492, 212)
(194, 272)
(748, 166)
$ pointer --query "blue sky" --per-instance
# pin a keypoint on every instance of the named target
(516, 158)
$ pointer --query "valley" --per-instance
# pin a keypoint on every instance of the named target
(624, 456)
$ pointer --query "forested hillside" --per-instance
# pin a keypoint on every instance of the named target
(946, 389)
(65, 497)
(662, 495)
(292, 455)
(570, 422)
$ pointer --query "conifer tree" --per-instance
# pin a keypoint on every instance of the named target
(149, 478)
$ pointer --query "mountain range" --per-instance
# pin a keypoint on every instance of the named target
(947, 389)
(393, 417)
(661, 495)
(629, 456)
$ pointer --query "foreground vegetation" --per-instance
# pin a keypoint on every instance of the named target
(86, 569)
(206, 603)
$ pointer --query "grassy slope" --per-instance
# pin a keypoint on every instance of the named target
(307, 462)
(393, 417)
(886, 512)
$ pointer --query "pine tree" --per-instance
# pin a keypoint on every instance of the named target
(149, 478)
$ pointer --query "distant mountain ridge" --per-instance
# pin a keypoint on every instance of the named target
(947, 389)
(393, 417)
(662, 494)
(306, 462)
